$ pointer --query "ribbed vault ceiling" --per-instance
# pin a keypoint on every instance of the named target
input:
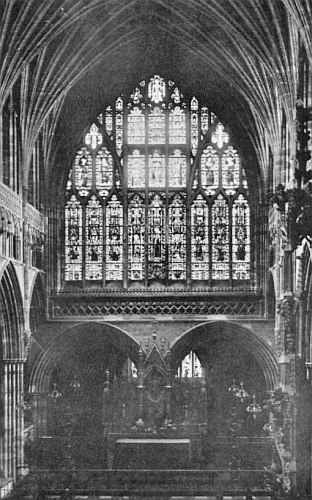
(240, 56)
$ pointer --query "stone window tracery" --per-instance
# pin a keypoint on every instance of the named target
(157, 193)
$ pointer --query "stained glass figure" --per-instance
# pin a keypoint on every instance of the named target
(103, 171)
(230, 170)
(156, 89)
(83, 171)
(109, 120)
(194, 125)
(220, 239)
(156, 238)
(177, 238)
(119, 125)
(199, 241)
(156, 126)
(219, 136)
(209, 165)
(204, 120)
(136, 126)
(94, 240)
(94, 138)
(136, 169)
(177, 128)
(73, 240)
(241, 238)
(114, 240)
(136, 96)
(136, 235)
(176, 96)
(177, 169)
(156, 169)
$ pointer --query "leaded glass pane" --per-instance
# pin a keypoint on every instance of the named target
(156, 238)
(241, 239)
(219, 136)
(156, 126)
(177, 238)
(220, 239)
(194, 125)
(73, 240)
(136, 126)
(177, 131)
(177, 169)
(94, 138)
(156, 89)
(209, 165)
(104, 171)
(230, 170)
(109, 120)
(119, 126)
(204, 120)
(199, 242)
(114, 239)
(136, 169)
(136, 237)
(83, 171)
(156, 170)
(94, 239)
(69, 183)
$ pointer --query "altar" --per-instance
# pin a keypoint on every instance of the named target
(152, 453)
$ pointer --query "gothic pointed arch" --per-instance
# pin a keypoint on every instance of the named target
(11, 317)
(77, 341)
(207, 337)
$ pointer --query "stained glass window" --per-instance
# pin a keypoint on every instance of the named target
(177, 169)
(119, 125)
(136, 237)
(94, 138)
(156, 238)
(83, 171)
(230, 170)
(136, 169)
(114, 240)
(109, 120)
(204, 120)
(209, 165)
(136, 126)
(220, 239)
(94, 239)
(104, 171)
(199, 241)
(219, 136)
(241, 238)
(73, 240)
(157, 193)
(177, 238)
(156, 169)
(194, 125)
(156, 126)
(177, 126)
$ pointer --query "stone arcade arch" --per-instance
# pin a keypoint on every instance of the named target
(209, 334)
(101, 346)
(12, 365)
